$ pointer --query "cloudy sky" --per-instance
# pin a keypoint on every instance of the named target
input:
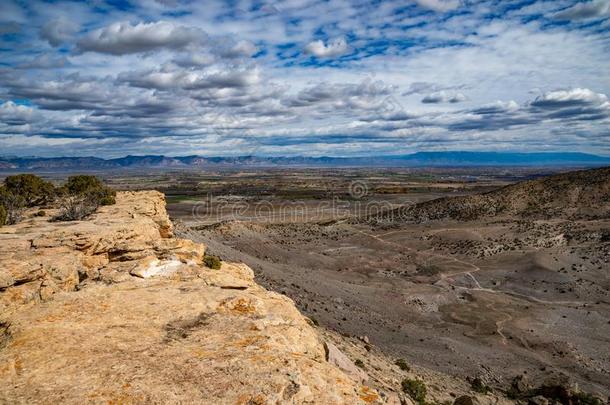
(303, 77)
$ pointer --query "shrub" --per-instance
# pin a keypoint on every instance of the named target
(41, 213)
(81, 196)
(91, 187)
(73, 208)
(33, 189)
(402, 364)
(359, 363)
(13, 204)
(82, 183)
(416, 389)
(428, 270)
(583, 398)
(479, 386)
(2, 215)
(213, 262)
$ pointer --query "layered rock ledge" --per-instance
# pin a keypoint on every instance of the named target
(114, 309)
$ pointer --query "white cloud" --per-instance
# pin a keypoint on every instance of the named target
(46, 61)
(242, 48)
(577, 96)
(163, 85)
(122, 38)
(443, 97)
(58, 31)
(11, 113)
(213, 77)
(585, 10)
(194, 59)
(439, 5)
(335, 47)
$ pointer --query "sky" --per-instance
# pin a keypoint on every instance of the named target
(303, 77)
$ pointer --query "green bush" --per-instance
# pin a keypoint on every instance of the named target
(402, 364)
(213, 262)
(359, 363)
(82, 183)
(583, 398)
(416, 389)
(74, 208)
(90, 187)
(13, 204)
(33, 189)
(479, 386)
(2, 215)
(81, 196)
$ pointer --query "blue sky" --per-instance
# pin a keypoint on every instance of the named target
(303, 77)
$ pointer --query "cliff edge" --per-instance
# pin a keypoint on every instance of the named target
(114, 309)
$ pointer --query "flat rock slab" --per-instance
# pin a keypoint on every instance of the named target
(165, 341)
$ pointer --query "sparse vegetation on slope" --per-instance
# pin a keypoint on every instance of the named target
(34, 190)
(81, 196)
(212, 262)
(416, 389)
(2, 215)
(580, 194)
(13, 205)
(402, 364)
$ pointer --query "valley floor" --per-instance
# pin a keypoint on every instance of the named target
(493, 298)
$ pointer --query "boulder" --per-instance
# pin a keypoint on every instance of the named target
(336, 357)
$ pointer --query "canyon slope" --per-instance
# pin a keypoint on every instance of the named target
(574, 195)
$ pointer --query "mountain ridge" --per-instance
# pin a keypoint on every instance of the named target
(576, 194)
(418, 159)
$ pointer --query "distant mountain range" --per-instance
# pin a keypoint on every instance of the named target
(419, 159)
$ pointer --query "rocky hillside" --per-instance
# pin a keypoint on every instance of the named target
(580, 194)
(114, 309)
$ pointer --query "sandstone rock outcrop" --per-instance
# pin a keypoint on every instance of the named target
(40, 258)
(115, 310)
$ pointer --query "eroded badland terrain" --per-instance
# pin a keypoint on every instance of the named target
(497, 284)
(492, 286)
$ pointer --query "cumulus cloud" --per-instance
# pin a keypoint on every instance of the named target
(428, 87)
(333, 48)
(192, 80)
(242, 48)
(164, 86)
(566, 106)
(69, 93)
(365, 95)
(443, 97)
(193, 59)
(58, 31)
(497, 107)
(15, 114)
(569, 98)
(572, 104)
(439, 5)
(123, 38)
(46, 61)
(585, 10)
